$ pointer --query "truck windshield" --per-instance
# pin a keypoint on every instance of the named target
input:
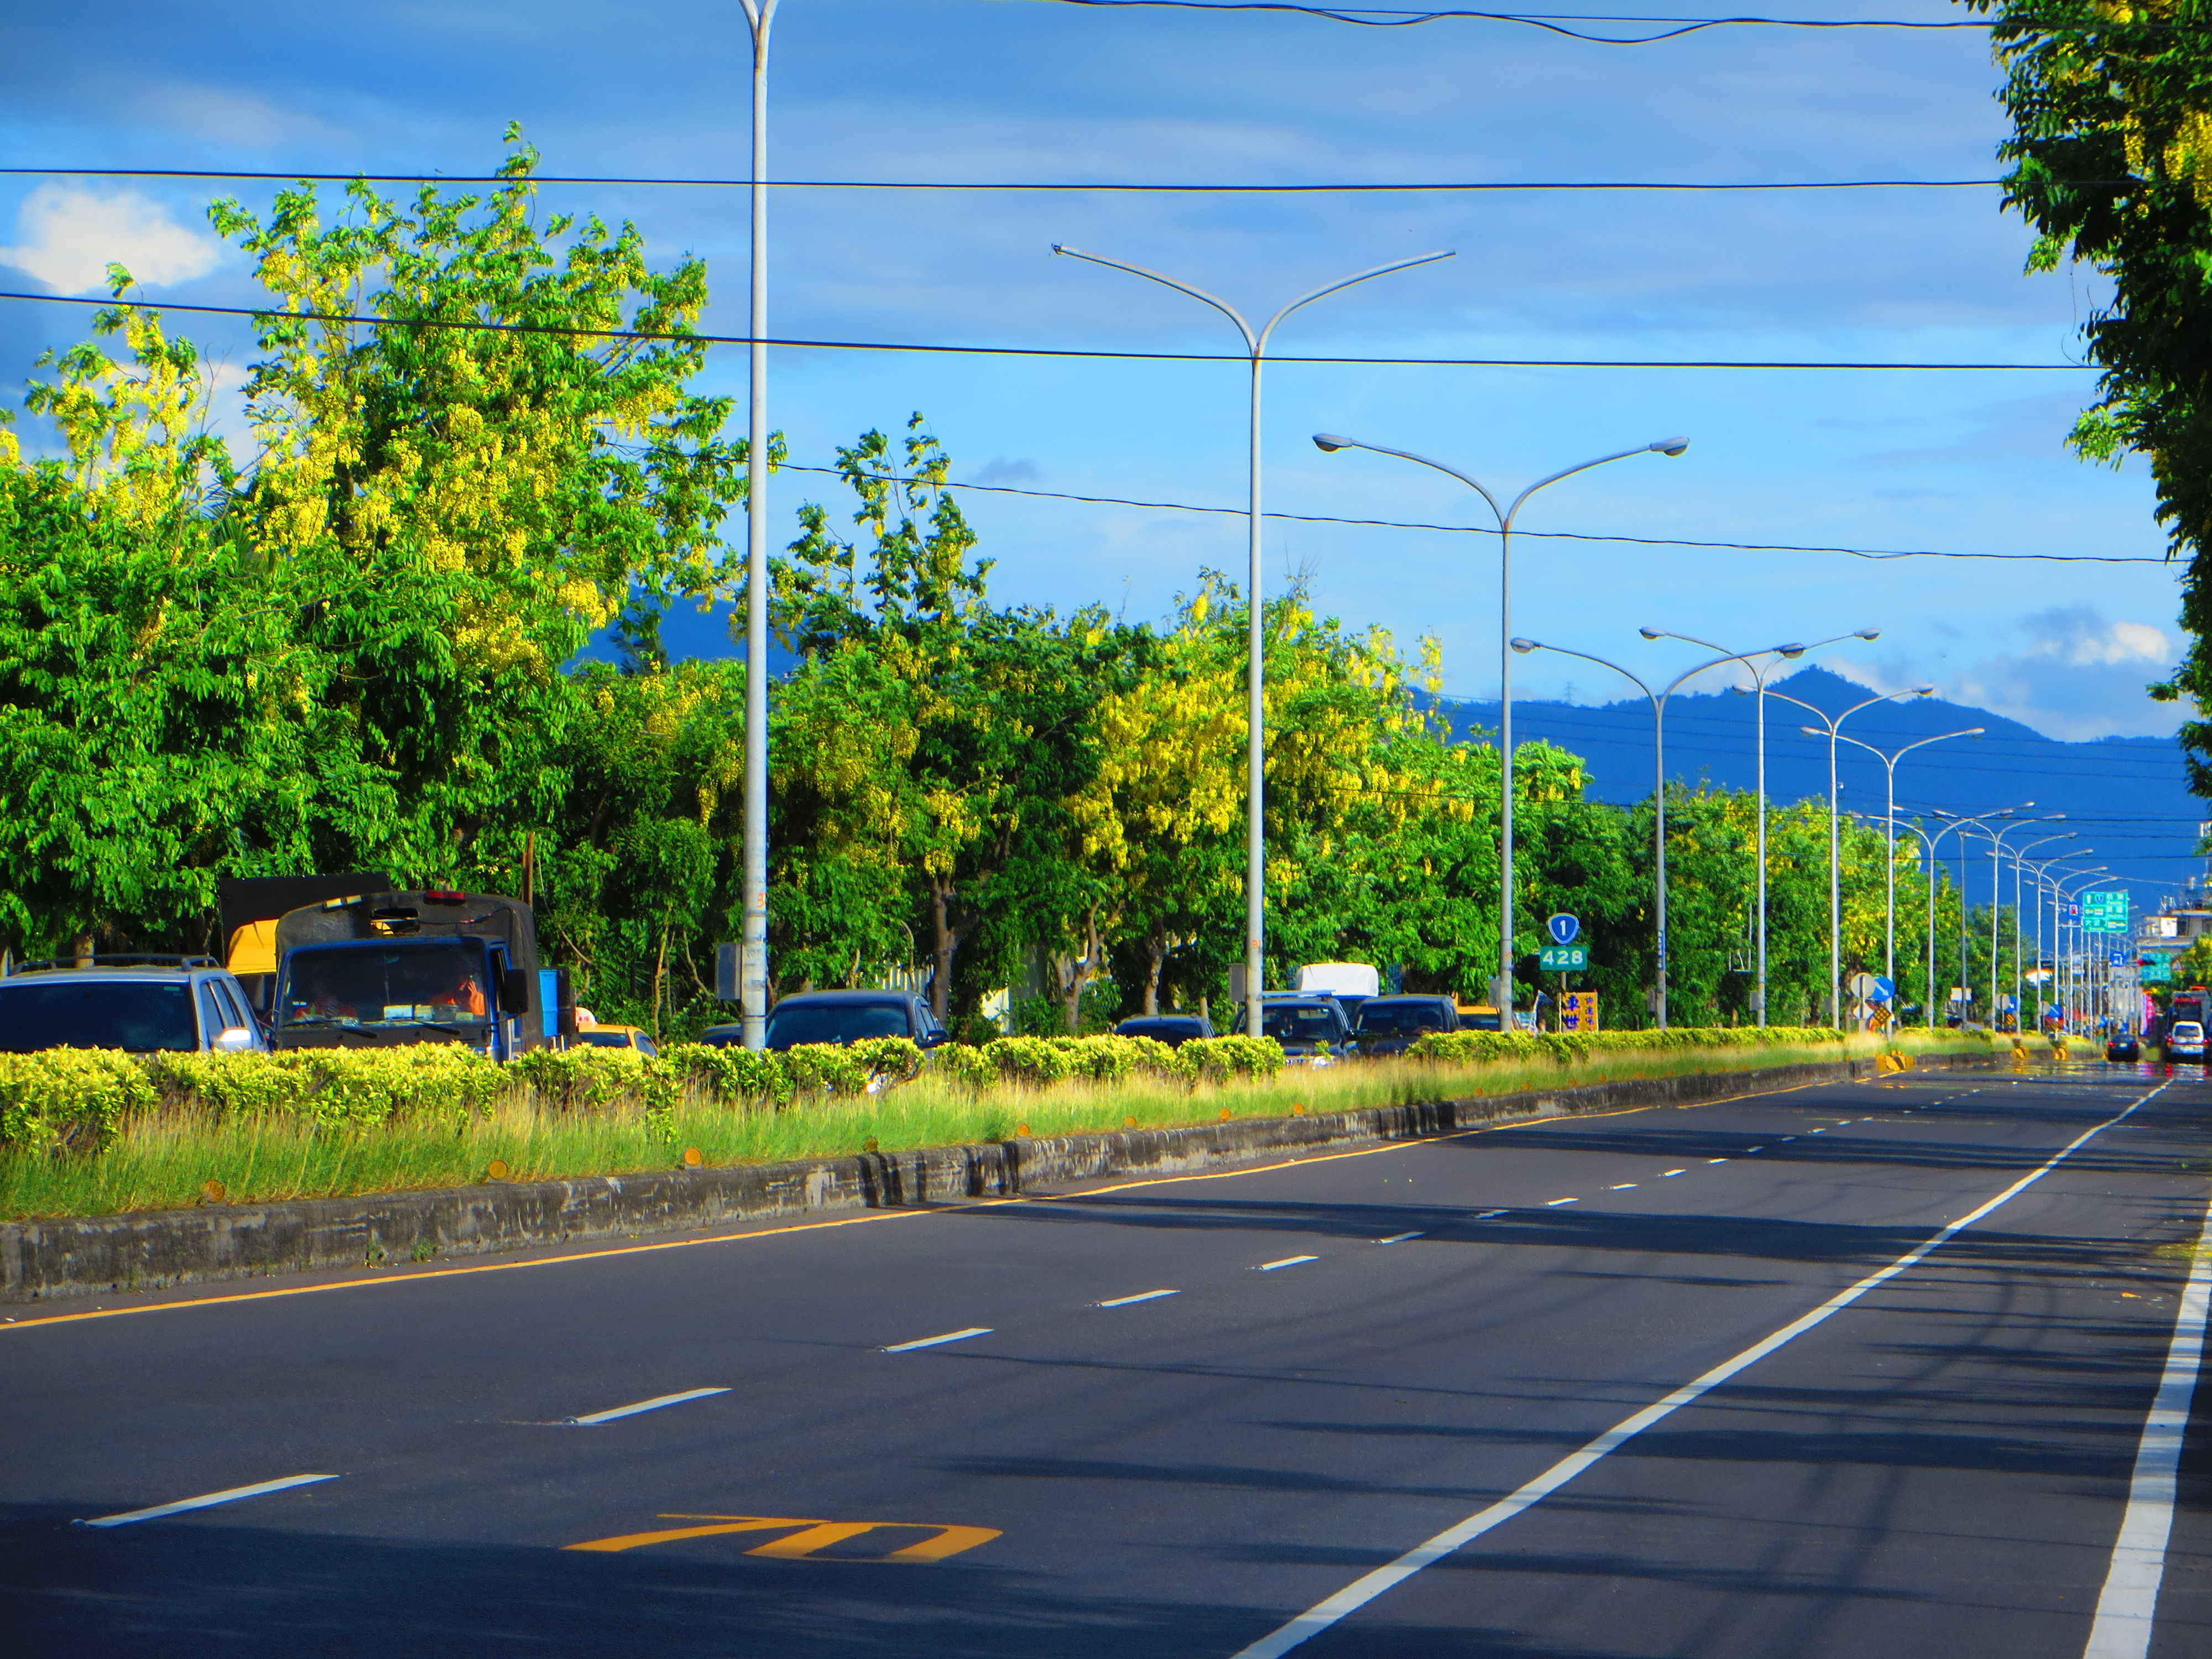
(96, 1013)
(427, 981)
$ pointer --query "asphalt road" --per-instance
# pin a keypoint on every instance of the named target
(1359, 1352)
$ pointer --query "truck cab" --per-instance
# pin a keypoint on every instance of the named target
(384, 969)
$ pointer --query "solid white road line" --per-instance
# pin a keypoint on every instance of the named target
(1358, 1594)
(932, 1341)
(651, 1405)
(1287, 1261)
(1399, 1238)
(1142, 1296)
(2130, 1598)
(207, 1501)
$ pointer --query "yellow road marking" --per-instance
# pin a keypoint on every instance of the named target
(812, 1535)
(855, 1220)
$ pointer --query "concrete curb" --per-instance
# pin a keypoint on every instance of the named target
(152, 1249)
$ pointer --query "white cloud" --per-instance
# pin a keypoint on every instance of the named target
(2078, 676)
(68, 236)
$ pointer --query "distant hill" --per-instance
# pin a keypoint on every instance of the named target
(2125, 797)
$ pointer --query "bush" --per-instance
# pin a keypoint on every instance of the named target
(1475, 1048)
(69, 1099)
(1216, 1059)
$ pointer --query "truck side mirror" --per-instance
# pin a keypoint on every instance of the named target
(515, 990)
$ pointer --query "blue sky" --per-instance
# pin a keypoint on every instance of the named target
(1017, 89)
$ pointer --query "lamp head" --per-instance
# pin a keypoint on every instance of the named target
(1524, 646)
(1653, 633)
(1923, 691)
(1812, 730)
(1792, 651)
(1976, 731)
(1329, 443)
(1670, 446)
(1866, 634)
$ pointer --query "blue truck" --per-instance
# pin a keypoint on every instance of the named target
(385, 969)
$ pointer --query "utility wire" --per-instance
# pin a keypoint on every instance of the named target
(1437, 186)
(689, 337)
(1554, 23)
(1480, 530)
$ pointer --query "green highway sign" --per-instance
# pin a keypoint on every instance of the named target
(2156, 972)
(1561, 958)
(2104, 911)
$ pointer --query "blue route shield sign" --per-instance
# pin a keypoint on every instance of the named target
(1564, 929)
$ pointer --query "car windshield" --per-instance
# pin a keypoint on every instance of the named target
(792, 1024)
(1300, 1022)
(1165, 1030)
(1399, 1018)
(138, 1015)
(2189, 1031)
(425, 982)
(603, 1039)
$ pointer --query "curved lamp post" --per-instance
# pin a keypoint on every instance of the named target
(2077, 984)
(1997, 851)
(2045, 883)
(1329, 444)
(1977, 823)
(1659, 785)
(1928, 842)
(1255, 855)
(1758, 671)
(1889, 817)
(1831, 728)
(2020, 926)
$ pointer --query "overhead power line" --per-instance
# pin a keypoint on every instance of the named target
(692, 338)
(1479, 530)
(1383, 17)
(1082, 185)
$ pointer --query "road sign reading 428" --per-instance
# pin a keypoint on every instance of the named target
(1563, 958)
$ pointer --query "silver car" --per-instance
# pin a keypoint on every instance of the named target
(140, 1004)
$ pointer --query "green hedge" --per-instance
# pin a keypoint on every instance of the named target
(1472, 1048)
(74, 1099)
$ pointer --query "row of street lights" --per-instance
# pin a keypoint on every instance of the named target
(753, 956)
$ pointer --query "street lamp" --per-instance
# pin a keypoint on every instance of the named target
(2019, 926)
(1928, 842)
(1978, 822)
(752, 952)
(1831, 728)
(1997, 851)
(1255, 855)
(2078, 1004)
(1329, 444)
(1758, 694)
(1659, 787)
(2045, 883)
(1889, 817)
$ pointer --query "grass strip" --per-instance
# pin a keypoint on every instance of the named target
(179, 1156)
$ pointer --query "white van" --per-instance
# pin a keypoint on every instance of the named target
(2186, 1041)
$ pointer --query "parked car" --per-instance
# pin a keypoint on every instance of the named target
(140, 1003)
(1174, 1029)
(2123, 1047)
(615, 1036)
(1310, 1028)
(2184, 1040)
(839, 1017)
(1390, 1025)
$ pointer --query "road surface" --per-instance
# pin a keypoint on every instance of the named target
(1207, 1417)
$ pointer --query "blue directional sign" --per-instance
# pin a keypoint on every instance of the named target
(1884, 989)
(1564, 929)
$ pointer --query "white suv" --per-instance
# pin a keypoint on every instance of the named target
(140, 1003)
(2186, 1041)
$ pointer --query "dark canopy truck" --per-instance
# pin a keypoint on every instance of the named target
(384, 969)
